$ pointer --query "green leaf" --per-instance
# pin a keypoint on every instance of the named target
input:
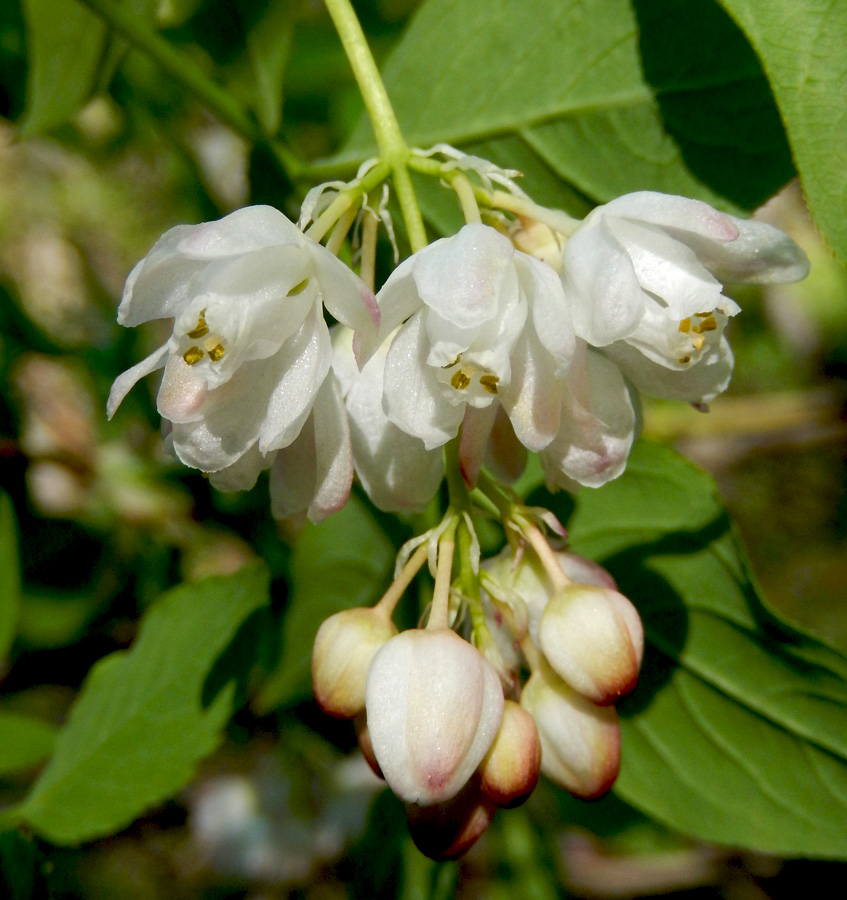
(345, 561)
(268, 47)
(10, 579)
(66, 46)
(801, 46)
(560, 85)
(24, 741)
(144, 718)
(737, 732)
(18, 862)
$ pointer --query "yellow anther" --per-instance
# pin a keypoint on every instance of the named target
(460, 380)
(489, 383)
(708, 324)
(298, 288)
(216, 352)
(684, 359)
(450, 365)
(201, 328)
(192, 355)
(685, 326)
(703, 315)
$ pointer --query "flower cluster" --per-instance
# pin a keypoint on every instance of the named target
(526, 332)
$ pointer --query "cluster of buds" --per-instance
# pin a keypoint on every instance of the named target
(447, 722)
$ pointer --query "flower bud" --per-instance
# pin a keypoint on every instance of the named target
(580, 741)
(363, 736)
(447, 830)
(344, 648)
(510, 769)
(434, 706)
(594, 640)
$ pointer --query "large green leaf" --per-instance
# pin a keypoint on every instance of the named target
(801, 45)
(10, 586)
(737, 732)
(146, 717)
(66, 46)
(562, 82)
(345, 561)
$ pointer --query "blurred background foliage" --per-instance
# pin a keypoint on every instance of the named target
(106, 522)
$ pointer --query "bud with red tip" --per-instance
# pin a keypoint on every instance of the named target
(511, 767)
(594, 640)
(580, 741)
(434, 706)
(344, 648)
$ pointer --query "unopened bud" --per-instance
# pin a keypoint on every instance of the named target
(594, 640)
(446, 830)
(580, 741)
(510, 769)
(434, 706)
(344, 648)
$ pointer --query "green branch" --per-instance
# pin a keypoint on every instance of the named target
(183, 70)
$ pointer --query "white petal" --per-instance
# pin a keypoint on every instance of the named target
(668, 269)
(345, 295)
(759, 255)
(462, 278)
(683, 215)
(476, 432)
(395, 469)
(242, 474)
(124, 383)
(601, 285)
(551, 310)
(699, 383)
(533, 399)
(597, 426)
(315, 472)
(414, 400)
(300, 369)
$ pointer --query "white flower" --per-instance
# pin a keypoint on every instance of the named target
(395, 469)
(250, 351)
(644, 276)
(483, 327)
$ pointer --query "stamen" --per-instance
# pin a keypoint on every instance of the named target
(298, 288)
(460, 380)
(698, 341)
(192, 355)
(451, 364)
(684, 359)
(201, 328)
(489, 383)
(708, 324)
(685, 326)
(216, 352)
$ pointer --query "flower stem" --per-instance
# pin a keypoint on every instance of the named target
(389, 138)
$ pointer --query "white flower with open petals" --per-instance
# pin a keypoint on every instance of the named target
(482, 326)
(250, 350)
(644, 274)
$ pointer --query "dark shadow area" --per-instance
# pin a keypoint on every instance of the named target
(714, 98)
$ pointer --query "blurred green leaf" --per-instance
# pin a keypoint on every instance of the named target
(801, 46)
(66, 46)
(140, 726)
(24, 741)
(345, 561)
(737, 732)
(18, 859)
(10, 579)
(562, 82)
(268, 47)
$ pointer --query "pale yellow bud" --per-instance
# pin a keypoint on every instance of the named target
(510, 769)
(344, 648)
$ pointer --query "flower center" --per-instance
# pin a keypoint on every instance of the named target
(696, 327)
(212, 343)
(463, 376)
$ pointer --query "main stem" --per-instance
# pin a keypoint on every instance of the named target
(389, 138)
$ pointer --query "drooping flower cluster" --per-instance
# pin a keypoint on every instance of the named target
(532, 333)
